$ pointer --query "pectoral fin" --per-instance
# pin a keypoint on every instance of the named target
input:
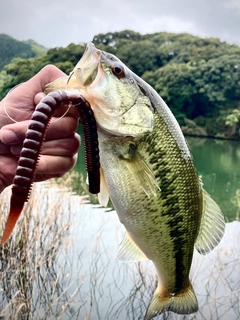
(129, 251)
(212, 226)
(142, 173)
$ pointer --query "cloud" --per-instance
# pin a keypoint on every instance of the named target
(58, 23)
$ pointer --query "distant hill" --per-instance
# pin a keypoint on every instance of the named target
(12, 48)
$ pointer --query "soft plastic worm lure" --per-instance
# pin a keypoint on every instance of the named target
(32, 145)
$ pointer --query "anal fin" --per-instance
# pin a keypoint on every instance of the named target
(129, 251)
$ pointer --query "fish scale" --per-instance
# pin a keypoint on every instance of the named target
(173, 211)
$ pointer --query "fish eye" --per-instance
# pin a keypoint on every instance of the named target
(118, 71)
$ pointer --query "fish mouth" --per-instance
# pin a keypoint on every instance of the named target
(83, 75)
(87, 68)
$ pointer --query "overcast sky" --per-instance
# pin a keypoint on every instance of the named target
(59, 22)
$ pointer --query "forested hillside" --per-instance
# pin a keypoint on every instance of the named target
(198, 78)
(11, 48)
(12, 51)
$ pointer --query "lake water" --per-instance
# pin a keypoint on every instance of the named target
(218, 162)
(81, 278)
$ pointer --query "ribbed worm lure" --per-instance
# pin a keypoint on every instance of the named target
(31, 148)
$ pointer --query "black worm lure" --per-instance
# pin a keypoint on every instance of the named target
(30, 152)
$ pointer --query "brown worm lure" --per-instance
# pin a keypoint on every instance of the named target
(32, 146)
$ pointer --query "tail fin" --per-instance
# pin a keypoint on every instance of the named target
(183, 303)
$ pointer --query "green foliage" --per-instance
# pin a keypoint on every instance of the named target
(140, 57)
(115, 39)
(233, 118)
(175, 83)
(37, 48)
(199, 88)
(4, 78)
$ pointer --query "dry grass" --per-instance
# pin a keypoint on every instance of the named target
(59, 264)
(33, 282)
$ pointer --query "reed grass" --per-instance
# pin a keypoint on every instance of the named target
(33, 284)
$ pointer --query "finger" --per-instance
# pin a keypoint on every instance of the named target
(4, 149)
(61, 147)
(61, 110)
(46, 75)
(38, 97)
(15, 133)
(61, 127)
(19, 102)
(9, 163)
(50, 167)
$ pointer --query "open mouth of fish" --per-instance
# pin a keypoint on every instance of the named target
(83, 74)
(87, 68)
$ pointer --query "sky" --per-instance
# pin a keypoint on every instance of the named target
(55, 23)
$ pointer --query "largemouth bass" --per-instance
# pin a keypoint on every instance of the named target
(148, 172)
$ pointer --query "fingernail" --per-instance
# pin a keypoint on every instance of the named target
(16, 150)
(8, 136)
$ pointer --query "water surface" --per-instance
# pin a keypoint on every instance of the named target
(218, 162)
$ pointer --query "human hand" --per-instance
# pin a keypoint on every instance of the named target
(59, 150)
